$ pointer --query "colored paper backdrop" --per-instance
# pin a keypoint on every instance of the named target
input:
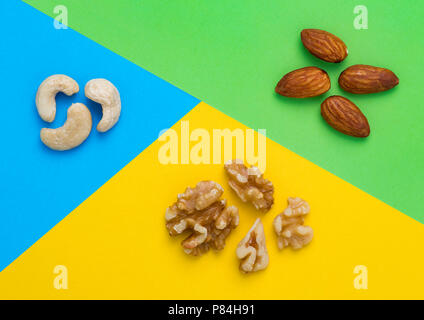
(98, 210)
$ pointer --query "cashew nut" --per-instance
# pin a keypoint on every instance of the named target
(104, 92)
(46, 94)
(75, 130)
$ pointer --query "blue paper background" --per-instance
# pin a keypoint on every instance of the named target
(38, 186)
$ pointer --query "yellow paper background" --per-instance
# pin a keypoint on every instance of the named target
(115, 244)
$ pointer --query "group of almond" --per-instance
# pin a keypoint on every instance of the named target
(208, 221)
(339, 112)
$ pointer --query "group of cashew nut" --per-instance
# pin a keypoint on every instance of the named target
(78, 123)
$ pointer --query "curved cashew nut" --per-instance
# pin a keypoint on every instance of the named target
(46, 94)
(75, 130)
(104, 92)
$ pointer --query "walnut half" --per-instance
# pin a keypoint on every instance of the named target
(250, 185)
(252, 249)
(289, 225)
(200, 212)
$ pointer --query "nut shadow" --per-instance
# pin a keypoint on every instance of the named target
(370, 96)
(316, 62)
(312, 102)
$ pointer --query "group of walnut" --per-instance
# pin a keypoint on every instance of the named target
(201, 213)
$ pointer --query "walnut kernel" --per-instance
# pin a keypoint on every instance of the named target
(250, 185)
(289, 225)
(199, 211)
(252, 249)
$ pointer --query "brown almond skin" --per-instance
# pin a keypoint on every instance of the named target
(344, 116)
(304, 83)
(324, 45)
(363, 79)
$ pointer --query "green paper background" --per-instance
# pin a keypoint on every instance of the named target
(231, 54)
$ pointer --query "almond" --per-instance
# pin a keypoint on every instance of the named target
(362, 79)
(344, 116)
(304, 83)
(324, 45)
